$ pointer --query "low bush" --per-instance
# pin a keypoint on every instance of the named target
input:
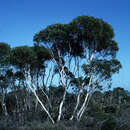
(110, 109)
(109, 124)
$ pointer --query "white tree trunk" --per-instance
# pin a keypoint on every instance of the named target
(86, 99)
(85, 107)
(41, 104)
(47, 97)
(84, 103)
(62, 73)
(61, 105)
(77, 104)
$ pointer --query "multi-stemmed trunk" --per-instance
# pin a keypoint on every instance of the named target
(32, 88)
(43, 106)
(86, 100)
(77, 104)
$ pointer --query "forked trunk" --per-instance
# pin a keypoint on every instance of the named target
(77, 104)
(42, 104)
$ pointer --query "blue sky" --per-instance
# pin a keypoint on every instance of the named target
(21, 19)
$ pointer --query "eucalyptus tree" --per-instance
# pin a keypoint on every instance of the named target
(57, 39)
(20, 59)
(4, 67)
(39, 68)
(30, 62)
(99, 49)
(85, 48)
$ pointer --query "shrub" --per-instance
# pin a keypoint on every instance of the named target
(109, 124)
(94, 108)
(110, 109)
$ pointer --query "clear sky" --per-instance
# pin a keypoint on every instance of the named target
(21, 19)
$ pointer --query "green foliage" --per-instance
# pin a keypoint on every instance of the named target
(110, 109)
(109, 124)
(4, 52)
(93, 30)
(42, 53)
(94, 107)
(82, 32)
(120, 95)
(56, 35)
(105, 68)
(56, 90)
(22, 56)
(101, 116)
